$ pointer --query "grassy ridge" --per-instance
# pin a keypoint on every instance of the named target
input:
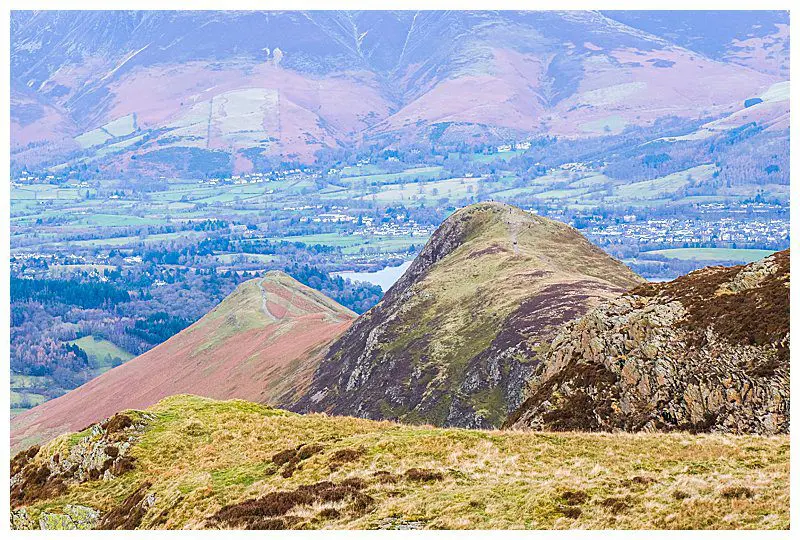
(201, 455)
(492, 278)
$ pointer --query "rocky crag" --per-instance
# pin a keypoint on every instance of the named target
(708, 351)
(100, 452)
(452, 342)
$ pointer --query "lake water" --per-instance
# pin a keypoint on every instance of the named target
(383, 278)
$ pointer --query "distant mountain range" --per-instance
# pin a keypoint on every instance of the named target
(121, 90)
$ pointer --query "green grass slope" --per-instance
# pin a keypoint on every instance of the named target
(450, 342)
(191, 462)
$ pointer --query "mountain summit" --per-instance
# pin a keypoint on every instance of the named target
(261, 343)
(450, 342)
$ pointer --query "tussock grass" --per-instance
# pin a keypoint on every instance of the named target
(202, 456)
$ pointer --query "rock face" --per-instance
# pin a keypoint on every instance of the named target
(261, 343)
(451, 342)
(100, 453)
(75, 517)
(706, 352)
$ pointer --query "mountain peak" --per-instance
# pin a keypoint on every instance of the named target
(276, 297)
(496, 228)
(448, 343)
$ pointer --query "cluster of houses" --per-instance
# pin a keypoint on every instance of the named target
(336, 217)
(259, 177)
(741, 208)
(524, 145)
(575, 167)
(677, 232)
(25, 176)
(398, 227)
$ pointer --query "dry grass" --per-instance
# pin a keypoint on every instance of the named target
(444, 478)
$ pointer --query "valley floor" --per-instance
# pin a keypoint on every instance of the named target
(200, 463)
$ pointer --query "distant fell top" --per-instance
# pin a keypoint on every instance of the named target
(521, 235)
(262, 343)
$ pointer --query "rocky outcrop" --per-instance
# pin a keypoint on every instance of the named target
(100, 452)
(451, 342)
(706, 352)
(74, 517)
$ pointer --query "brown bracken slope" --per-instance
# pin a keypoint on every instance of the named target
(262, 343)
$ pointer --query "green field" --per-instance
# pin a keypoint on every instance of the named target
(101, 352)
(27, 381)
(46, 192)
(451, 189)
(22, 401)
(129, 240)
(712, 254)
(23, 392)
(115, 220)
(425, 173)
(95, 137)
(353, 244)
(652, 189)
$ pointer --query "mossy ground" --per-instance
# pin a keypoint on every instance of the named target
(201, 455)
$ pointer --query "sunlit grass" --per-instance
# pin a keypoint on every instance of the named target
(202, 454)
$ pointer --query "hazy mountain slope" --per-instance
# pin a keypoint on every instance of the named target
(450, 342)
(757, 39)
(291, 83)
(771, 113)
(191, 462)
(261, 343)
(708, 351)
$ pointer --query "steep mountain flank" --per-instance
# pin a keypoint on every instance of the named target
(261, 343)
(191, 463)
(451, 342)
(706, 352)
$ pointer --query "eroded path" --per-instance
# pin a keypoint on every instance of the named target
(264, 306)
